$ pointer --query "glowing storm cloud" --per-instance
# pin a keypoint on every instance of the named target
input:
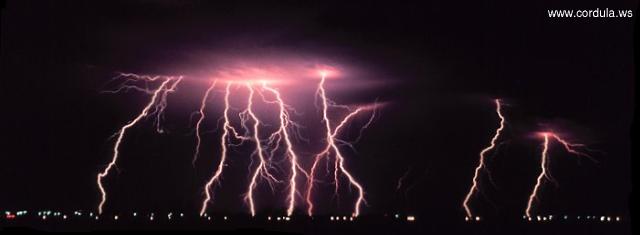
(260, 83)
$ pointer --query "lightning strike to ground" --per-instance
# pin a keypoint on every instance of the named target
(331, 146)
(155, 106)
(544, 165)
(264, 150)
(283, 133)
(226, 128)
(481, 163)
(262, 170)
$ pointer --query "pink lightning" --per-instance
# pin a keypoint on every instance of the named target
(203, 105)
(543, 174)
(544, 163)
(262, 168)
(481, 165)
(331, 145)
(157, 103)
(293, 157)
(223, 146)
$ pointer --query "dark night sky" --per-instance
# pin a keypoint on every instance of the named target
(444, 61)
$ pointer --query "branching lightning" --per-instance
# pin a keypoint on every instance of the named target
(481, 163)
(544, 165)
(262, 170)
(155, 106)
(331, 146)
(226, 128)
(266, 147)
(283, 133)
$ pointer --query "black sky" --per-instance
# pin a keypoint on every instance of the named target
(446, 61)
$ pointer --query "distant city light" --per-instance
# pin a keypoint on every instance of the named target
(48, 215)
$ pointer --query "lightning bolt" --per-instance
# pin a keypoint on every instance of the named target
(570, 147)
(331, 146)
(544, 164)
(262, 168)
(481, 164)
(541, 177)
(282, 133)
(156, 106)
(203, 105)
(226, 128)
(264, 150)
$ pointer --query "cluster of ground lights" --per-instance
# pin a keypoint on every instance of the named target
(49, 215)
(152, 216)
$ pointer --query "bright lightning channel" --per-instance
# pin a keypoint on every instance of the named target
(481, 163)
(544, 164)
(215, 179)
(201, 111)
(339, 164)
(262, 168)
(157, 103)
(283, 133)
